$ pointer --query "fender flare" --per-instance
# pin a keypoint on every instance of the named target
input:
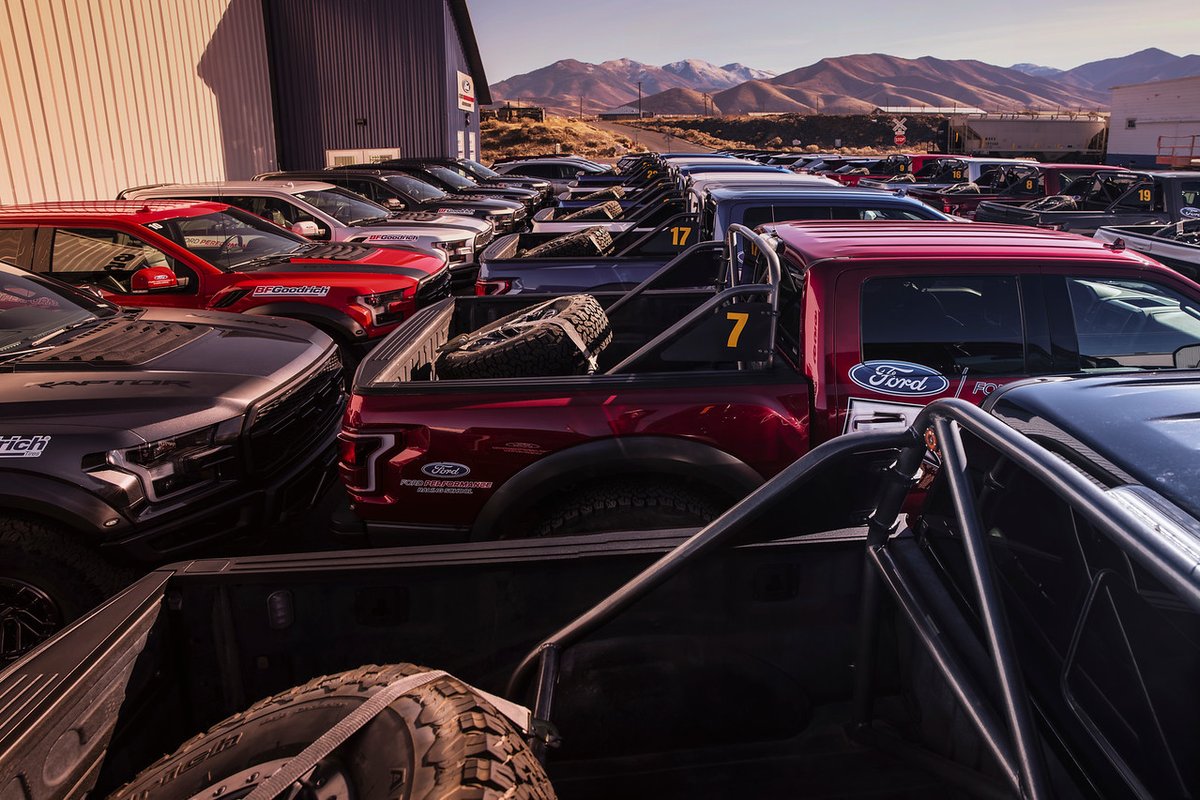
(327, 319)
(61, 502)
(614, 457)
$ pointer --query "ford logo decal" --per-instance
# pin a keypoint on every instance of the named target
(899, 378)
(446, 469)
(1189, 212)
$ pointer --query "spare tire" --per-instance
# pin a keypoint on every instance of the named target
(1055, 202)
(439, 740)
(610, 210)
(612, 191)
(533, 342)
(593, 241)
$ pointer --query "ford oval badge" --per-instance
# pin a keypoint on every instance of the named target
(446, 469)
(1190, 212)
(899, 378)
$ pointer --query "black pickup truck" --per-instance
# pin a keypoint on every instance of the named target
(1105, 199)
(1034, 631)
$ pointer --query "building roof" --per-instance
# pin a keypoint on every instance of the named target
(466, 35)
(622, 110)
(137, 210)
(924, 241)
(1186, 79)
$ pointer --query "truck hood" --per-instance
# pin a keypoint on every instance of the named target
(350, 257)
(158, 372)
(442, 220)
(400, 232)
(490, 205)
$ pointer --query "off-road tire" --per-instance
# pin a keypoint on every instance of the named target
(586, 243)
(629, 505)
(611, 191)
(610, 210)
(52, 561)
(1055, 202)
(534, 349)
(439, 741)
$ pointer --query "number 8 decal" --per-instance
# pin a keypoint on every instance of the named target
(739, 319)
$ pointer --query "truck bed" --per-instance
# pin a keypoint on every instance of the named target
(1180, 254)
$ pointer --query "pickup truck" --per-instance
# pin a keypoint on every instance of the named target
(894, 166)
(133, 437)
(454, 183)
(635, 255)
(945, 172)
(1111, 198)
(1015, 185)
(703, 394)
(1029, 633)
(199, 255)
(327, 213)
(1176, 245)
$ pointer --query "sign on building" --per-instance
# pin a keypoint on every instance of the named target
(466, 92)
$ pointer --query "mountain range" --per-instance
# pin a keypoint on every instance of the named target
(854, 84)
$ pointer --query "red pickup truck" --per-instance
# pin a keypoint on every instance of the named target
(189, 254)
(704, 394)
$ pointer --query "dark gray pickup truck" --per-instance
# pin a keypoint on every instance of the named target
(1107, 198)
(1034, 631)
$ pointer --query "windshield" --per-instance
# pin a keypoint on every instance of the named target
(475, 168)
(420, 190)
(33, 309)
(451, 178)
(230, 238)
(345, 206)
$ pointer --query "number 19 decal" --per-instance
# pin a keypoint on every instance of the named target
(1144, 195)
(739, 319)
(679, 236)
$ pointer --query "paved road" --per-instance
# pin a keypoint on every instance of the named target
(655, 141)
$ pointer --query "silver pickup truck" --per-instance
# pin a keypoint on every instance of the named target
(1177, 245)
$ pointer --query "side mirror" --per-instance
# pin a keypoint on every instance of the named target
(1187, 357)
(152, 279)
(394, 204)
(306, 228)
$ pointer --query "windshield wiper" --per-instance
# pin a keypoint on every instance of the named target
(366, 221)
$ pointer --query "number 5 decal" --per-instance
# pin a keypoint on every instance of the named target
(738, 318)
(679, 236)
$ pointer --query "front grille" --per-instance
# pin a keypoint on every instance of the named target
(284, 426)
(482, 240)
(434, 288)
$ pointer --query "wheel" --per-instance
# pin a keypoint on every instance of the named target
(532, 342)
(47, 579)
(629, 505)
(440, 740)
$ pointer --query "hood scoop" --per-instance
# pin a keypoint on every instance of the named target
(337, 251)
(410, 216)
(117, 343)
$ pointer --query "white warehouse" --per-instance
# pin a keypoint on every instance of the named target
(1155, 124)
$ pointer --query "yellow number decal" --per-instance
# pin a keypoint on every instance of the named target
(903, 168)
(1029, 184)
(1144, 195)
(651, 173)
(679, 236)
(739, 319)
(957, 174)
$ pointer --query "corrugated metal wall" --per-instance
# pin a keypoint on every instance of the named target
(359, 74)
(456, 62)
(98, 95)
(1164, 108)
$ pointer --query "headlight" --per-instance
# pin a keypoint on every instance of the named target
(459, 249)
(169, 466)
(387, 307)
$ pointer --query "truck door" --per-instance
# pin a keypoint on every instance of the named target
(903, 337)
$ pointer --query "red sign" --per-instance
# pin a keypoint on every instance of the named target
(899, 139)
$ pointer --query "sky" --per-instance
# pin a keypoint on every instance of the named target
(517, 36)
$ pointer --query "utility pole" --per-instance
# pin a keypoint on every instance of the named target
(639, 99)
(581, 106)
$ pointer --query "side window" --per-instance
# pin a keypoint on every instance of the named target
(1190, 193)
(951, 323)
(107, 258)
(763, 214)
(566, 171)
(877, 213)
(13, 244)
(285, 214)
(367, 189)
(1130, 323)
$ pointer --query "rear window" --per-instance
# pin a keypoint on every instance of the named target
(953, 324)
(1189, 192)
(1130, 323)
(759, 216)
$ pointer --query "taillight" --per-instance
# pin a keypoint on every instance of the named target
(484, 288)
(357, 455)
(946, 207)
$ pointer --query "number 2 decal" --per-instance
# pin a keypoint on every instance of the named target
(679, 236)
(739, 319)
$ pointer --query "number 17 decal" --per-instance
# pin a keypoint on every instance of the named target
(679, 236)
(739, 319)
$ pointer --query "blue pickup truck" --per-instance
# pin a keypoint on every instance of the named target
(593, 259)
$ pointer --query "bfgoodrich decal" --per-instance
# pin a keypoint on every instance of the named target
(291, 291)
(22, 446)
(392, 237)
(464, 211)
(899, 378)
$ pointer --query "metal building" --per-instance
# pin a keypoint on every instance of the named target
(1156, 124)
(97, 96)
(356, 79)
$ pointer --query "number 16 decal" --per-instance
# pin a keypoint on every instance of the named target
(679, 236)
(738, 318)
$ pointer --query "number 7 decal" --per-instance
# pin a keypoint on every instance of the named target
(739, 319)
